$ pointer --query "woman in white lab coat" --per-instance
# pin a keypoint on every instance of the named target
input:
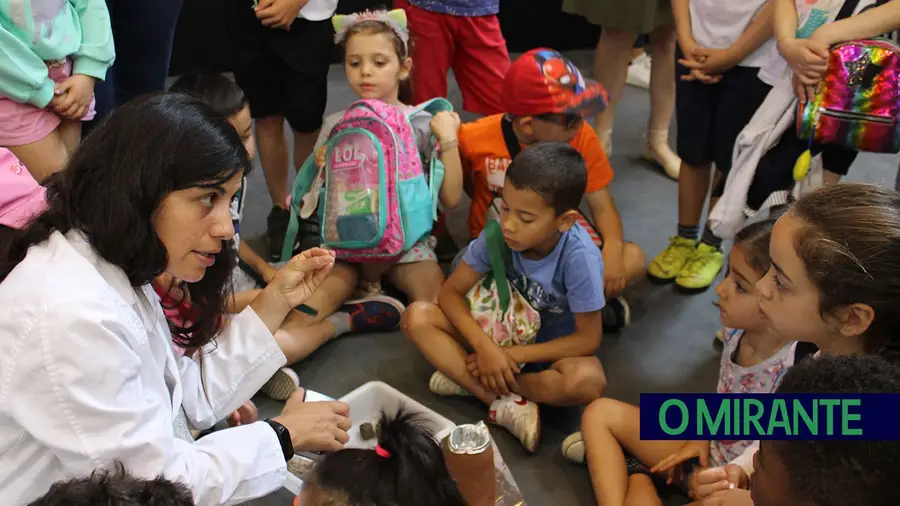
(87, 371)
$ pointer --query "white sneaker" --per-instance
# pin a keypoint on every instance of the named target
(442, 385)
(282, 384)
(639, 72)
(573, 448)
(521, 417)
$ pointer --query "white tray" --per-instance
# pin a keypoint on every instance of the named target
(366, 405)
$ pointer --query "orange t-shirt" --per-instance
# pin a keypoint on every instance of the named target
(485, 159)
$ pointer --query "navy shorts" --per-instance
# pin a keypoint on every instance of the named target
(553, 325)
(709, 117)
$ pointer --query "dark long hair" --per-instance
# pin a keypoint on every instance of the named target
(414, 474)
(115, 181)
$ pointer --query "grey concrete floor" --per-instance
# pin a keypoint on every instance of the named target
(666, 349)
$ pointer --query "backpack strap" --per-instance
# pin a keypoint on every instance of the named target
(847, 9)
(512, 145)
(435, 166)
(501, 258)
(302, 183)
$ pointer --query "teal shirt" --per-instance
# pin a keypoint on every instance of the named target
(33, 32)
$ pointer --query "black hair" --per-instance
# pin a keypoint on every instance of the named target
(753, 240)
(554, 170)
(116, 488)
(114, 183)
(214, 89)
(414, 474)
(841, 472)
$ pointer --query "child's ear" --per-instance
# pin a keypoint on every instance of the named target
(855, 319)
(525, 124)
(405, 68)
(566, 220)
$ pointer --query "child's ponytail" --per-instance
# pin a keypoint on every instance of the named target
(407, 468)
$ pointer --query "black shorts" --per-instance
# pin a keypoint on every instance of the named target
(775, 171)
(710, 116)
(282, 73)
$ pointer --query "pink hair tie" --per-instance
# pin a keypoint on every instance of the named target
(382, 452)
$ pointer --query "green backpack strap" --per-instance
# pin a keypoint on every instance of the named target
(436, 166)
(302, 183)
(501, 259)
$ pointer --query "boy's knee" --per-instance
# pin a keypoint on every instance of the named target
(637, 259)
(587, 381)
(417, 315)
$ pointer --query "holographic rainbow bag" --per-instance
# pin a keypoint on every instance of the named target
(856, 105)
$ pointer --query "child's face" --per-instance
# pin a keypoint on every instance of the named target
(738, 296)
(769, 486)
(243, 123)
(789, 298)
(528, 222)
(551, 127)
(373, 68)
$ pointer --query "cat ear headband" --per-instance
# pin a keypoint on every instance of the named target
(395, 19)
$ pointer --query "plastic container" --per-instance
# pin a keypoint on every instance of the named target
(367, 403)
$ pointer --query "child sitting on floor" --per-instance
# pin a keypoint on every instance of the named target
(558, 269)
(753, 360)
(406, 468)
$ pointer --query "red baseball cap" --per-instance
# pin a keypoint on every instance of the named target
(543, 81)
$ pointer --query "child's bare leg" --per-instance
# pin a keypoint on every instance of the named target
(609, 427)
(635, 263)
(420, 281)
(693, 183)
(44, 157)
(576, 381)
(70, 131)
(641, 491)
(426, 326)
(370, 275)
(331, 294)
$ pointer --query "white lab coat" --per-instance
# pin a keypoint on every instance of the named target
(88, 376)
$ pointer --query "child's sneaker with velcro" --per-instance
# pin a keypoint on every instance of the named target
(672, 260)
(521, 417)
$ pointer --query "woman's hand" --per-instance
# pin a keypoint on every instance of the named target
(708, 482)
(297, 280)
(674, 463)
(315, 426)
(444, 125)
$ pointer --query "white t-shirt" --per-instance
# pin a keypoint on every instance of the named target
(811, 14)
(318, 10)
(717, 24)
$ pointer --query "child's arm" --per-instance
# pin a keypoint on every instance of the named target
(445, 126)
(97, 52)
(25, 77)
(256, 262)
(808, 58)
(684, 31)
(496, 367)
(584, 342)
(609, 224)
(871, 23)
(757, 33)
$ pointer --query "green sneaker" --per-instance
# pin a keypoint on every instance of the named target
(671, 261)
(700, 273)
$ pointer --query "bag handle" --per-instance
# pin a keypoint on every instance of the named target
(302, 183)
(501, 257)
(436, 166)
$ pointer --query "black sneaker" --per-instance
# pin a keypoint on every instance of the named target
(378, 313)
(616, 314)
(276, 228)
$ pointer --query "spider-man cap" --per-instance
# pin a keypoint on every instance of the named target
(542, 81)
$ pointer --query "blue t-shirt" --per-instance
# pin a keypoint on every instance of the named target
(568, 280)
(459, 7)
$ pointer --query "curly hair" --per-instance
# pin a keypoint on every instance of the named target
(116, 488)
(116, 180)
(842, 472)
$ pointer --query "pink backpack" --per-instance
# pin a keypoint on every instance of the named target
(21, 197)
(376, 202)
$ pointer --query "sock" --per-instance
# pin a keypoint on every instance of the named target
(688, 231)
(341, 322)
(710, 238)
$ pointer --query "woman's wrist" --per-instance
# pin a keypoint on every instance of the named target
(272, 307)
(284, 438)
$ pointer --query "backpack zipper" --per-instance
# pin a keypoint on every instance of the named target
(855, 116)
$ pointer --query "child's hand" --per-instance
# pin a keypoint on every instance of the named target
(808, 59)
(73, 97)
(278, 13)
(688, 47)
(245, 415)
(445, 125)
(320, 156)
(613, 271)
(732, 497)
(495, 368)
(708, 482)
(713, 62)
(694, 59)
(673, 464)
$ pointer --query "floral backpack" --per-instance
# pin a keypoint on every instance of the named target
(495, 304)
